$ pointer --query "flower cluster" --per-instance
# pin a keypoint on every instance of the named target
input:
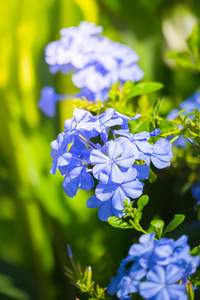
(155, 269)
(97, 62)
(102, 146)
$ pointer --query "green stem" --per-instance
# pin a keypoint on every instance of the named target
(171, 133)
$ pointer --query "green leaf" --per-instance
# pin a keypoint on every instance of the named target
(198, 211)
(195, 278)
(194, 42)
(177, 220)
(118, 223)
(7, 288)
(157, 105)
(197, 285)
(138, 216)
(144, 88)
(113, 95)
(181, 111)
(144, 126)
(152, 176)
(151, 126)
(195, 251)
(158, 225)
(127, 86)
(183, 59)
(142, 201)
(166, 126)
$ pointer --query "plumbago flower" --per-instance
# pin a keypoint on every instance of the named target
(119, 161)
(155, 269)
(97, 63)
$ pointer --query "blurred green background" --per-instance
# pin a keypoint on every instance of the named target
(37, 219)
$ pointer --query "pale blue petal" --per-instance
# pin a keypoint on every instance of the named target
(176, 291)
(70, 186)
(159, 164)
(149, 289)
(93, 202)
(87, 182)
(97, 157)
(97, 169)
(157, 275)
(118, 198)
(114, 149)
(144, 147)
(173, 274)
(163, 295)
(115, 174)
(105, 192)
(133, 189)
(105, 211)
(143, 171)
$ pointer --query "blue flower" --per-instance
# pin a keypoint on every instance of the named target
(155, 269)
(101, 123)
(106, 209)
(59, 153)
(162, 153)
(142, 171)
(137, 143)
(77, 177)
(130, 283)
(70, 52)
(112, 288)
(48, 100)
(91, 96)
(97, 62)
(129, 187)
(162, 284)
(106, 167)
(78, 157)
(125, 298)
(156, 132)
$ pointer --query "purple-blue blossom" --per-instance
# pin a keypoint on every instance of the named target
(107, 166)
(155, 269)
(162, 284)
(162, 154)
(95, 61)
(90, 147)
(48, 100)
(112, 194)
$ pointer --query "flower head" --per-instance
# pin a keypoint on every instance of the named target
(116, 162)
(96, 62)
(155, 269)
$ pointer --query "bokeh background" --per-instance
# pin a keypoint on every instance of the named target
(37, 219)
